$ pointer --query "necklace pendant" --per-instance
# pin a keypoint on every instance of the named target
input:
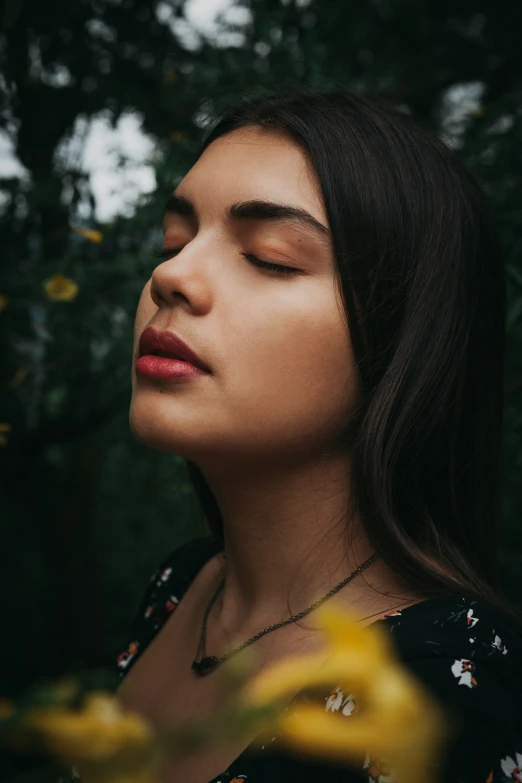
(206, 665)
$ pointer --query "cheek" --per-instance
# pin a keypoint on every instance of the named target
(295, 370)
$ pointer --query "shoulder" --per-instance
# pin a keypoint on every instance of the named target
(468, 654)
(456, 626)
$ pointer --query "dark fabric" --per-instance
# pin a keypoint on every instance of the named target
(466, 652)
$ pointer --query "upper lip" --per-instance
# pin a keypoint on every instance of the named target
(153, 341)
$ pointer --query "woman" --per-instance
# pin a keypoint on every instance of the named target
(332, 286)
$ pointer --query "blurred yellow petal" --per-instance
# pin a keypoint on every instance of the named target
(356, 651)
(98, 730)
(6, 707)
(60, 288)
(397, 728)
(112, 774)
(4, 428)
(169, 77)
(397, 719)
(90, 233)
(341, 629)
(411, 753)
(135, 765)
(19, 376)
(338, 735)
(3, 302)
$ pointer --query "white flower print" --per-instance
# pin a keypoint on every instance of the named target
(471, 620)
(334, 701)
(127, 655)
(513, 769)
(338, 701)
(378, 770)
(348, 705)
(165, 574)
(498, 644)
(172, 602)
(395, 613)
(464, 669)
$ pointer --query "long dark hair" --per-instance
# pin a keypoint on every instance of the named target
(421, 271)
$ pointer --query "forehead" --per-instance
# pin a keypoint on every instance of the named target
(254, 163)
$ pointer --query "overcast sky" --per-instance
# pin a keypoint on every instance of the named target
(98, 147)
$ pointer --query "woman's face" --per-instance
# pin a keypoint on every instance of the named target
(282, 375)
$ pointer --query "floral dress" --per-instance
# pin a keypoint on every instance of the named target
(467, 653)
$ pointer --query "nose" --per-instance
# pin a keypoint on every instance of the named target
(182, 280)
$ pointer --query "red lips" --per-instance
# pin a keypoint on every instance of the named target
(153, 341)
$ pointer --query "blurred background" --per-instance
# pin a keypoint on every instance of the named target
(103, 104)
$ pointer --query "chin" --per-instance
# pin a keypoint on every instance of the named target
(160, 429)
(150, 435)
(148, 425)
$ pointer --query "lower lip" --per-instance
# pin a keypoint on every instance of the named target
(162, 369)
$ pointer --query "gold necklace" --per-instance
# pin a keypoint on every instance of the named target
(209, 662)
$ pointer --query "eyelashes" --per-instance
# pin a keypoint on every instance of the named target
(169, 252)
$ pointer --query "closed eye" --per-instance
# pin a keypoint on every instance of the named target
(283, 270)
(169, 252)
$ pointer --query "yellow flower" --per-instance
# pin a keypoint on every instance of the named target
(104, 741)
(90, 233)
(60, 288)
(19, 376)
(175, 136)
(397, 727)
(398, 721)
(6, 707)
(170, 76)
(99, 730)
(3, 302)
(4, 428)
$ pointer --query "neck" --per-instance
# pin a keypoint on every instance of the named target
(287, 542)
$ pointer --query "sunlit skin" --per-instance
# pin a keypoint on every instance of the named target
(282, 382)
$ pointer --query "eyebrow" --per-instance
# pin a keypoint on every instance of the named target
(254, 210)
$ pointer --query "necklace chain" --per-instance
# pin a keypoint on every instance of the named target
(208, 663)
